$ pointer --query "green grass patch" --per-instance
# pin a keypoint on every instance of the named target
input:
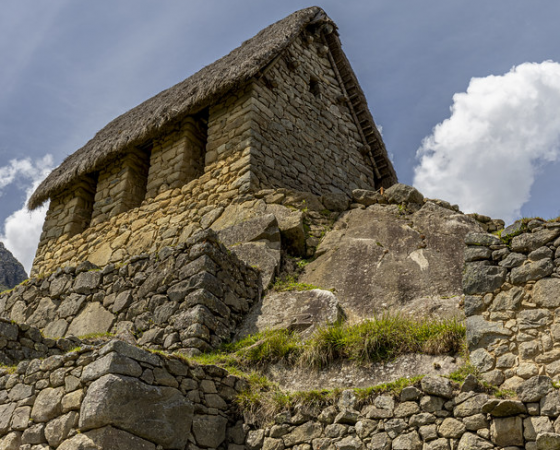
(382, 339)
(378, 340)
(290, 282)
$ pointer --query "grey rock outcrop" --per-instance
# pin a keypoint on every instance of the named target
(12, 272)
(382, 258)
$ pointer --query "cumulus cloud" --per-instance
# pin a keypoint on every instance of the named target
(22, 229)
(501, 132)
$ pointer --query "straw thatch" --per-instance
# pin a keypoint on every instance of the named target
(143, 122)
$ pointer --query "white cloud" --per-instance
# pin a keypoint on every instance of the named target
(22, 229)
(500, 134)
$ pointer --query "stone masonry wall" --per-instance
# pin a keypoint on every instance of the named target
(177, 158)
(117, 396)
(189, 298)
(170, 217)
(511, 302)
(121, 186)
(434, 414)
(120, 396)
(70, 212)
(305, 136)
(19, 342)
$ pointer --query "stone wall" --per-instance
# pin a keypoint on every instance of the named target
(120, 396)
(121, 186)
(511, 302)
(70, 211)
(172, 210)
(117, 396)
(178, 157)
(187, 298)
(19, 342)
(305, 137)
(435, 414)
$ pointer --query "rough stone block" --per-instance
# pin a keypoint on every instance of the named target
(159, 414)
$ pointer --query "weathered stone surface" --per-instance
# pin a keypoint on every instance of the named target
(71, 305)
(111, 363)
(335, 202)
(483, 239)
(262, 228)
(298, 310)
(546, 293)
(86, 282)
(528, 242)
(452, 428)
(290, 223)
(508, 300)
(303, 433)
(380, 441)
(407, 441)
(44, 312)
(513, 260)
(125, 349)
(480, 277)
(438, 444)
(159, 414)
(534, 389)
(442, 387)
(550, 404)
(93, 319)
(548, 441)
(471, 441)
(260, 255)
(254, 439)
(532, 271)
(377, 262)
(57, 429)
(482, 360)
(477, 253)
(350, 443)
(481, 333)
(11, 441)
(55, 329)
(47, 405)
(367, 198)
(471, 406)
(533, 426)
(209, 431)
(6, 412)
(503, 408)
(402, 193)
(533, 318)
(507, 431)
(106, 438)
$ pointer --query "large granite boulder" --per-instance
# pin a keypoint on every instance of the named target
(378, 259)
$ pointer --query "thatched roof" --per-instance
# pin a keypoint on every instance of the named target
(190, 96)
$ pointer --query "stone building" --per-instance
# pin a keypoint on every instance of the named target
(283, 110)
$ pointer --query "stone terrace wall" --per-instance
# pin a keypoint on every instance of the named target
(436, 414)
(117, 397)
(19, 342)
(188, 298)
(512, 300)
(120, 396)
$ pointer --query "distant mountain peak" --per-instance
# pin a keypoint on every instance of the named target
(12, 272)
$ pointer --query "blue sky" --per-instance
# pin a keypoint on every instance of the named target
(70, 66)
